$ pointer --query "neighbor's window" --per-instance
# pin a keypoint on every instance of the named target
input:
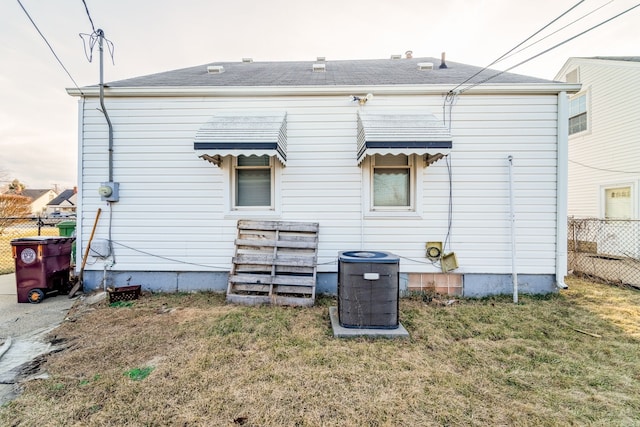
(578, 114)
(618, 203)
(253, 182)
(392, 182)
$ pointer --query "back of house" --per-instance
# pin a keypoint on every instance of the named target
(389, 155)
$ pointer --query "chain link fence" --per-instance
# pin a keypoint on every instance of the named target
(605, 250)
(14, 228)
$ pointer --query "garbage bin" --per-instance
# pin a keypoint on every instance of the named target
(67, 229)
(42, 266)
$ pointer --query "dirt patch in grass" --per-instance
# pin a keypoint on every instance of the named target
(474, 362)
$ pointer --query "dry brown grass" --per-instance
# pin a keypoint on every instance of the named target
(476, 362)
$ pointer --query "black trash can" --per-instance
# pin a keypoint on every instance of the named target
(42, 266)
(368, 290)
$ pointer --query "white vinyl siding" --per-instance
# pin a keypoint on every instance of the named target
(608, 152)
(173, 204)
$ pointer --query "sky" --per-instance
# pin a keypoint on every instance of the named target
(39, 120)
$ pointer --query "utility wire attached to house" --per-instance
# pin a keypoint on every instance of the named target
(517, 46)
(603, 170)
(546, 50)
(50, 47)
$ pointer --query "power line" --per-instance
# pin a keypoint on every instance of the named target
(89, 15)
(50, 47)
(518, 45)
(547, 50)
(601, 169)
(557, 31)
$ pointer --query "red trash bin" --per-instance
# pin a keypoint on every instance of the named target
(42, 266)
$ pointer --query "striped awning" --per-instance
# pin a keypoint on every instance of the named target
(403, 133)
(243, 134)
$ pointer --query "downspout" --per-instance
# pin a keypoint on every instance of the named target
(561, 189)
(103, 108)
(512, 213)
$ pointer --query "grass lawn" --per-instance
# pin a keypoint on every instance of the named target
(192, 360)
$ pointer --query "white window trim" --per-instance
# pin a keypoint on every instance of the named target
(634, 196)
(587, 93)
(232, 211)
(416, 177)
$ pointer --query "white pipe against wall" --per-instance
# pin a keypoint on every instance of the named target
(562, 179)
(514, 270)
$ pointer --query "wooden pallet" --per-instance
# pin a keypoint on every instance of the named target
(274, 263)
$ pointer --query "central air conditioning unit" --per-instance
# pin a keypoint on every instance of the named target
(368, 290)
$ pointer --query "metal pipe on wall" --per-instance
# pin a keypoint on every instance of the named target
(514, 269)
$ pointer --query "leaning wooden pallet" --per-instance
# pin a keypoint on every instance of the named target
(274, 263)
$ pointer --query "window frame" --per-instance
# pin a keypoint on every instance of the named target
(413, 186)
(584, 113)
(632, 198)
(234, 183)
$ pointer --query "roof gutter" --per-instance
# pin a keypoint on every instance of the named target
(227, 91)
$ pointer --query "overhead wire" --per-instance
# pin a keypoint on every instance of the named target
(50, 47)
(546, 50)
(602, 169)
(557, 31)
(518, 45)
(93, 28)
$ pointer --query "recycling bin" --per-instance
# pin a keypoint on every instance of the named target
(67, 229)
(42, 266)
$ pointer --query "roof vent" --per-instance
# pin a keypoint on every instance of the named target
(443, 64)
(425, 65)
(319, 68)
(321, 58)
(215, 69)
(247, 59)
(396, 56)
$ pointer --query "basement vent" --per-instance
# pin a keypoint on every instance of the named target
(396, 56)
(425, 65)
(215, 69)
(319, 68)
(321, 58)
(247, 59)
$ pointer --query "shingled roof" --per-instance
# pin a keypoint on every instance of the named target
(370, 72)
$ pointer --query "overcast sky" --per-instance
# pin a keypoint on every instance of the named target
(38, 120)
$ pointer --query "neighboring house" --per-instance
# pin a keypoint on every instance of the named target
(372, 150)
(64, 204)
(39, 199)
(604, 137)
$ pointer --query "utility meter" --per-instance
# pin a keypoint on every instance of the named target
(109, 191)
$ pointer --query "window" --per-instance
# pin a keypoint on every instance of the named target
(392, 178)
(578, 114)
(618, 203)
(253, 182)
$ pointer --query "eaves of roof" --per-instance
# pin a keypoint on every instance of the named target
(231, 91)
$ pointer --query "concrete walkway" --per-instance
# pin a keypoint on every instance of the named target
(27, 325)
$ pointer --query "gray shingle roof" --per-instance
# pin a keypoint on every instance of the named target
(618, 58)
(33, 194)
(64, 196)
(370, 72)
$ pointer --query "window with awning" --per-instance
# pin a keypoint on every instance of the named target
(242, 135)
(402, 133)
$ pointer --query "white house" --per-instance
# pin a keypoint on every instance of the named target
(39, 199)
(381, 153)
(604, 137)
(64, 204)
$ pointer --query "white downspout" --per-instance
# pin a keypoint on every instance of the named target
(512, 212)
(561, 189)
